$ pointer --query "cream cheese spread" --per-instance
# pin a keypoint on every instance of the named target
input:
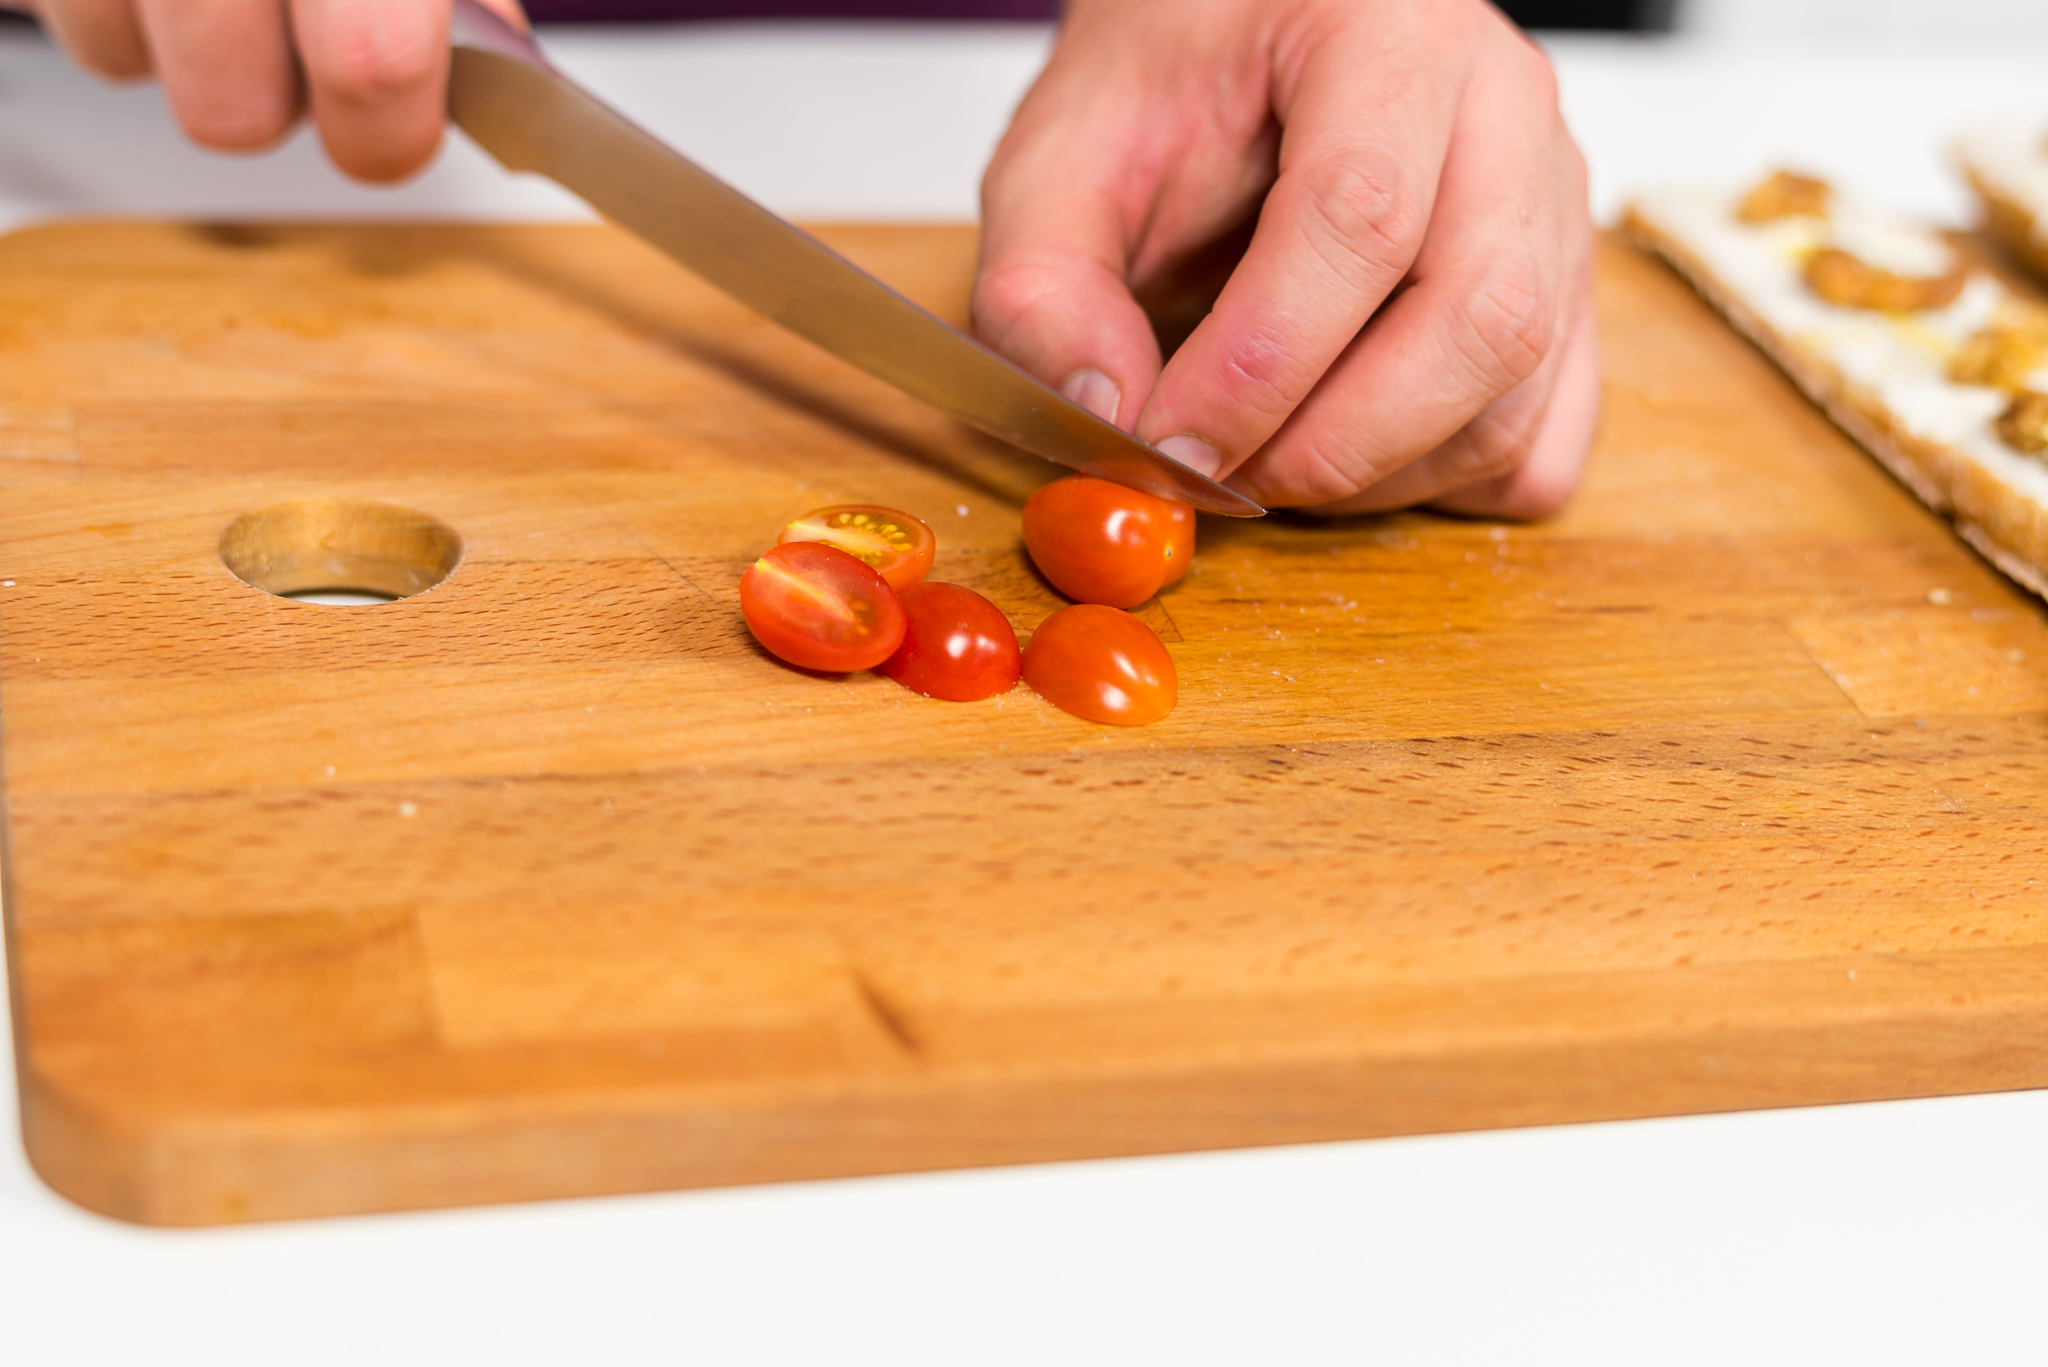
(1900, 360)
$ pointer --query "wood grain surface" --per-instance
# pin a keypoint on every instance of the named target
(1725, 789)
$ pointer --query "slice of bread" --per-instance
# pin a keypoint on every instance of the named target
(1923, 356)
(2007, 165)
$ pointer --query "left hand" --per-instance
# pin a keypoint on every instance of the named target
(239, 74)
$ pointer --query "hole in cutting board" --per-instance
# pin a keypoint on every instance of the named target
(340, 552)
(339, 598)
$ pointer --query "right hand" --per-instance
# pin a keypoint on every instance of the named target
(239, 73)
(1401, 213)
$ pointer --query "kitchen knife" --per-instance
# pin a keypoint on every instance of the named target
(505, 95)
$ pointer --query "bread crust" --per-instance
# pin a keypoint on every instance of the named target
(2011, 224)
(2009, 528)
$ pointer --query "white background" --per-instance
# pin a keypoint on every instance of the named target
(885, 120)
(1947, 22)
(1902, 1233)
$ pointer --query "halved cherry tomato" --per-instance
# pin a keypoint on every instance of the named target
(1102, 543)
(894, 544)
(816, 606)
(956, 645)
(1102, 664)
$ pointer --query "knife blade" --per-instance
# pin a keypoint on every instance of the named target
(505, 95)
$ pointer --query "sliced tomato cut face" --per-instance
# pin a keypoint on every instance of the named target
(894, 544)
(818, 607)
(1102, 664)
(956, 645)
(1099, 542)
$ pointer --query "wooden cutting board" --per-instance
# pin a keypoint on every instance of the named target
(1729, 788)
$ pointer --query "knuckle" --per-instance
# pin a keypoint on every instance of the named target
(1327, 471)
(374, 69)
(1509, 318)
(1260, 371)
(1492, 447)
(998, 173)
(1364, 209)
(1007, 293)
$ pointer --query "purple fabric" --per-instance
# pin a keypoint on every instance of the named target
(639, 11)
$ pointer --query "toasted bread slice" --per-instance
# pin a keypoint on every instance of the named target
(1932, 363)
(2007, 165)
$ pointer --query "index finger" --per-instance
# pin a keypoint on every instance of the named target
(1051, 290)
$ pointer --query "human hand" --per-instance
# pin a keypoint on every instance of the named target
(239, 73)
(1410, 319)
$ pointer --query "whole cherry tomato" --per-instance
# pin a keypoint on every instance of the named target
(1180, 549)
(1102, 664)
(896, 545)
(816, 606)
(1102, 543)
(956, 645)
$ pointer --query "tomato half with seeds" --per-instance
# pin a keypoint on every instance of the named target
(818, 607)
(1102, 664)
(1099, 542)
(894, 544)
(956, 645)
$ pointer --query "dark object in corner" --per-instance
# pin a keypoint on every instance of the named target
(1643, 16)
(668, 11)
(1646, 15)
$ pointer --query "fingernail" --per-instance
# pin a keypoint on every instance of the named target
(1193, 452)
(1095, 392)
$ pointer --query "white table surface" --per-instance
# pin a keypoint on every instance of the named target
(1908, 1232)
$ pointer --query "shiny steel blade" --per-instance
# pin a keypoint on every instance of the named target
(503, 93)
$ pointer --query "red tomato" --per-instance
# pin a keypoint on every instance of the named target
(956, 645)
(895, 545)
(1180, 550)
(1102, 543)
(818, 607)
(1102, 664)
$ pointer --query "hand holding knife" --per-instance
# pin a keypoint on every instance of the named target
(1388, 186)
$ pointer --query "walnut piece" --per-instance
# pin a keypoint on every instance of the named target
(2024, 424)
(2005, 353)
(1840, 278)
(1786, 194)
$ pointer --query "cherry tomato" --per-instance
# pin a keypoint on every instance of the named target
(956, 645)
(1180, 550)
(895, 545)
(1102, 543)
(1102, 664)
(816, 606)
